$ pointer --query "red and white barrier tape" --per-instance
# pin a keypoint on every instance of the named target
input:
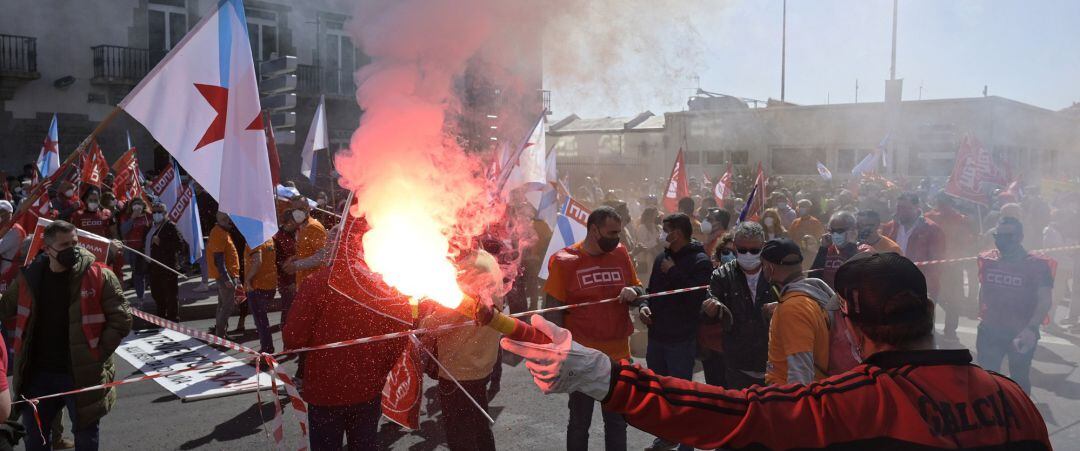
(969, 259)
(193, 333)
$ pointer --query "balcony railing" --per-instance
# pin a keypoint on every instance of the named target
(120, 65)
(307, 79)
(330, 81)
(18, 55)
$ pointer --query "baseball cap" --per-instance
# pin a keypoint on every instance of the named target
(882, 289)
(6, 206)
(782, 251)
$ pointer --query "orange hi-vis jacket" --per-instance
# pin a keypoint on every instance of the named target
(895, 400)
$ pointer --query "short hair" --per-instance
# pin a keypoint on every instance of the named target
(55, 228)
(600, 216)
(870, 214)
(686, 205)
(156, 203)
(721, 216)
(909, 196)
(1011, 221)
(748, 230)
(680, 222)
(805, 203)
(844, 216)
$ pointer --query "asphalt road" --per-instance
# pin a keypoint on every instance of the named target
(147, 416)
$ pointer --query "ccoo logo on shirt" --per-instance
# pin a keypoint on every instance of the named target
(599, 277)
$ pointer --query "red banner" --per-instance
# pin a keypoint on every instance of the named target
(94, 166)
(97, 245)
(678, 187)
(161, 183)
(723, 187)
(404, 384)
(128, 181)
(976, 173)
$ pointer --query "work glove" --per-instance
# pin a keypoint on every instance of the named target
(563, 366)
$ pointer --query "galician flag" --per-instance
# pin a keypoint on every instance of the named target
(201, 103)
(569, 229)
(49, 159)
(181, 209)
(317, 139)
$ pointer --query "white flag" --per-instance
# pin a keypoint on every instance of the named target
(317, 139)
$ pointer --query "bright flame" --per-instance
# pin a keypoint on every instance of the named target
(412, 256)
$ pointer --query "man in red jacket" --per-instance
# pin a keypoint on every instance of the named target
(921, 240)
(343, 386)
(905, 394)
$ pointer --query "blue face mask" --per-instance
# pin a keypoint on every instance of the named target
(839, 239)
(726, 258)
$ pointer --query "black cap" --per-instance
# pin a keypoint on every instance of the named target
(782, 251)
(882, 289)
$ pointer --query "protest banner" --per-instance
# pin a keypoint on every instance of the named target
(96, 244)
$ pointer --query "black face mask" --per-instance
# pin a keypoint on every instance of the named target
(67, 257)
(608, 244)
(1006, 244)
(865, 233)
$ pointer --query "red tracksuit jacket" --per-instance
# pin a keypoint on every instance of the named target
(895, 400)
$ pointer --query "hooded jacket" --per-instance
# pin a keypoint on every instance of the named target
(675, 318)
(86, 369)
(799, 333)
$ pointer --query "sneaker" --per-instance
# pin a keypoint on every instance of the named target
(64, 443)
(659, 444)
(202, 287)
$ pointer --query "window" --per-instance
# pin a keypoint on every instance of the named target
(263, 33)
(846, 160)
(715, 157)
(693, 157)
(166, 25)
(339, 60)
(740, 157)
(794, 161)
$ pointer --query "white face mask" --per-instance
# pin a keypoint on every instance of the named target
(69, 193)
(299, 216)
(706, 227)
(159, 217)
(768, 222)
(137, 209)
(663, 238)
(748, 262)
(92, 206)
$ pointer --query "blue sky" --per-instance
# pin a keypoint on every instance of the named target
(1023, 50)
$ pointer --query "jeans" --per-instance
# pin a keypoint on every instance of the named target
(259, 302)
(951, 298)
(712, 363)
(203, 267)
(357, 422)
(991, 347)
(577, 431)
(466, 428)
(224, 308)
(45, 383)
(672, 359)
(138, 273)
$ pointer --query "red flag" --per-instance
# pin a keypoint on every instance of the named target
(723, 187)
(678, 187)
(976, 172)
(271, 150)
(128, 182)
(94, 166)
(97, 245)
(401, 394)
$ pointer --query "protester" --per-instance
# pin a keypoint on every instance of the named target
(467, 355)
(135, 222)
(10, 244)
(260, 284)
(65, 202)
(224, 268)
(1016, 296)
(310, 237)
(164, 243)
(686, 207)
(60, 292)
(717, 221)
(343, 386)
(711, 335)
(805, 224)
(736, 300)
(285, 249)
(868, 223)
(799, 330)
(596, 268)
(960, 234)
(321, 211)
(771, 222)
(91, 217)
(922, 240)
(784, 211)
(673, 320)
(872, 405)
(241, 309)
(836, 247)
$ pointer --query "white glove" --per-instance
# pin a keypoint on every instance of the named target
(564, 366)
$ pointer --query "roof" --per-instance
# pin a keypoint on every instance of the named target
(574, 124)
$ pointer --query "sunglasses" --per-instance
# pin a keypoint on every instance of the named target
(1005, 236)
(751, 251)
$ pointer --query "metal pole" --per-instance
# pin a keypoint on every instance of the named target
(783, 52)
(892, 69)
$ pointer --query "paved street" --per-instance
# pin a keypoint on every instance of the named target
(147, 416)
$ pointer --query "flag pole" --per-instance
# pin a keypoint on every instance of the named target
(147, 257)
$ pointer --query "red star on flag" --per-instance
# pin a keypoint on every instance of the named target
(218, 98)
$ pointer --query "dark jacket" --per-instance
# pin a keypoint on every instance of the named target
(169, 245)
(746, 341)
(675, 317)
(87, 370)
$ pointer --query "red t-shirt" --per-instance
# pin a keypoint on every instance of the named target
(1009, 288)
(576, 277)
(97, 222)
(3, 368)
(136, 236)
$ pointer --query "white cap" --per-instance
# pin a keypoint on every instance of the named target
(6, 206)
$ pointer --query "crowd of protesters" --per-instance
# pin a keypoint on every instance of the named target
(770, 314)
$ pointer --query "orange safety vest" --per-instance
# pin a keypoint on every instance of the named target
(90, 295)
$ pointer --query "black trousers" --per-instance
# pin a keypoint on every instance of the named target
(466, 428)
(165, 288)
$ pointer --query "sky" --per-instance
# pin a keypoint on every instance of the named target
(1025, 50)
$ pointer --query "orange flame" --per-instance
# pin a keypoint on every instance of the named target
(411, 254)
